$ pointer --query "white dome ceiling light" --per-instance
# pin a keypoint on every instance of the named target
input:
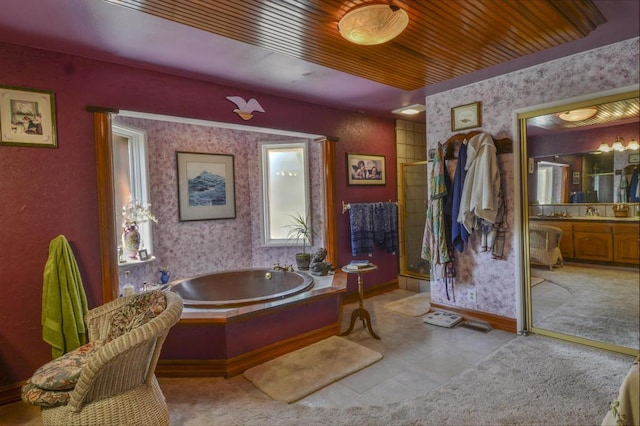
(373, 24)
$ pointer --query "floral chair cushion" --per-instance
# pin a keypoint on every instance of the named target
(140, 310)
(62, 373)
(34, 395)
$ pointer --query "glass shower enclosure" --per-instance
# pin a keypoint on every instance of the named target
(413, 213)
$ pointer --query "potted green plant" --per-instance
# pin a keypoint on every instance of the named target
(300, 228)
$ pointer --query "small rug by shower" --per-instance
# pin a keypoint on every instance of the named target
(412, 306)
(300, 373)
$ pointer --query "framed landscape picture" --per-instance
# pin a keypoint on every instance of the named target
(27, 117)
(206, 186)
(363, 169)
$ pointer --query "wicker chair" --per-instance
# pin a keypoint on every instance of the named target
(116, 383)
(544, 245)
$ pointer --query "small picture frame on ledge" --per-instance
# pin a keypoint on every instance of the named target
(466, 116)
(143, 254)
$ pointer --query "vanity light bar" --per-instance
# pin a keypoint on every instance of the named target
(618, 145)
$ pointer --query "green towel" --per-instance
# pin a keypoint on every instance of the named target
(64, 302)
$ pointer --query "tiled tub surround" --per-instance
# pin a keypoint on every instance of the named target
(605, 211)
(225, 342)
(593, 71)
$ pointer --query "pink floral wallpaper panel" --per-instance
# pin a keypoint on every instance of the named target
(597, 70)
(200, 247)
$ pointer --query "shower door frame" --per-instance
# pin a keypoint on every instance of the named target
(402, 222)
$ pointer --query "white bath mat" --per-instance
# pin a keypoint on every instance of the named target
(300, 373)
(412, 306)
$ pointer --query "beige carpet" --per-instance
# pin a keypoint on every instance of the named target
(412, 306)
(299, 373)
(533, 380)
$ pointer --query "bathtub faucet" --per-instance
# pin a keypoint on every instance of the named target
(276, 267)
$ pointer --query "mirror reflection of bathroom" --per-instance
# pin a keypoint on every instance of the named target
(583, 223)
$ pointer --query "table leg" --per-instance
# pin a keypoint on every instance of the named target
(361, 313)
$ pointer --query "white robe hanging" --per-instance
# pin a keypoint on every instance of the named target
(482, 183)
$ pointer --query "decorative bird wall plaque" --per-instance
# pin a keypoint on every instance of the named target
(245, 108)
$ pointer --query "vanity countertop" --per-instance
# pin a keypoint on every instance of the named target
(631, 219)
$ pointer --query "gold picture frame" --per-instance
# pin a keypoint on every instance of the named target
(27, 117)
(466, 116)
(364, 169)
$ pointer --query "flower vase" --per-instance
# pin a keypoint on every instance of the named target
(131, 240)
(164, 276)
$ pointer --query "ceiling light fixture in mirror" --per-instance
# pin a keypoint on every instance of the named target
(578, 114)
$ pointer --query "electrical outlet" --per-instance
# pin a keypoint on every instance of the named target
(472, 296)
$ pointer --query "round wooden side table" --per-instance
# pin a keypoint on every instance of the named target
(361, 312)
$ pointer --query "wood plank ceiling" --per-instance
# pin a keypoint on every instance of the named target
(444, 39)
(617, 112)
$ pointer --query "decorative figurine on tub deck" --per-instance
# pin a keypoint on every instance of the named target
(317, 266)
(165, 274)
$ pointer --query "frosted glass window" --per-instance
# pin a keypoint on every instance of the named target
(544, 190)
(285, 189)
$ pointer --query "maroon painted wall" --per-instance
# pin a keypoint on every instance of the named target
(47, 192)
(579, 141)
(545, 147)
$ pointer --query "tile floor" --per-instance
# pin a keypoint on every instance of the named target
(417, 358)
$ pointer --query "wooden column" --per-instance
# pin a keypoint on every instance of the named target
(330, 227)
(106, 213)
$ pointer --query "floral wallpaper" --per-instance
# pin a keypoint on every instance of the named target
(597, 70)
(200, 247)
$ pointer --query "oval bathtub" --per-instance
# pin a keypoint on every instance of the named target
(238, 288)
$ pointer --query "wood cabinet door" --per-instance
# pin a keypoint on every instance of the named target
(593, 246)
(626, 240)
(566, 241)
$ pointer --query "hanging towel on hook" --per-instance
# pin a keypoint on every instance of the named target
(632, 190)
(64, 302)
(482, 184)
(435, 245)
(459, 234)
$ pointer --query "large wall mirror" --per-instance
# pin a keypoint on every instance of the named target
(581, 211)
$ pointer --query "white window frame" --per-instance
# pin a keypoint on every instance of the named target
(265, 147)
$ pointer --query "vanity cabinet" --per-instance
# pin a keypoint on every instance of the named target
(626, 243)
(593, 241)
(566, 242)
(598, 241)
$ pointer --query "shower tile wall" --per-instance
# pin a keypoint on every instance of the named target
(410, 148)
